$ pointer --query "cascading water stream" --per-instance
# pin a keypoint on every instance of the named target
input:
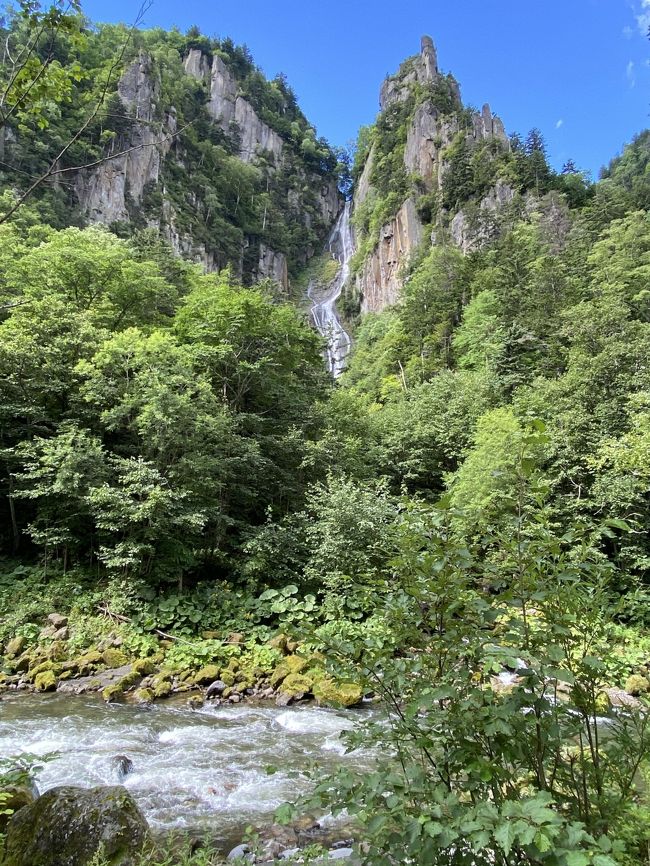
(198, 770)
(323, 308)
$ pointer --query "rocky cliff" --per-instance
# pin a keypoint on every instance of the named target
(435, 138)
(195, 143)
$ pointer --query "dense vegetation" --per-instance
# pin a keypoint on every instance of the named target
(470, 501)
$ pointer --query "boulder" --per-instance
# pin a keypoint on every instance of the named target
(69, 826)
(122, 766)
(15, 646)
(206, 675)
(215, 689)
(96, 682)
(57, 620)
(16, 796)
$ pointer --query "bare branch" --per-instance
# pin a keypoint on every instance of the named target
(52, 169)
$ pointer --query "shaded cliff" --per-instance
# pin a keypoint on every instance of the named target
(202, 149)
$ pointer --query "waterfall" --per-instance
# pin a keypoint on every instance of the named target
(323, 307)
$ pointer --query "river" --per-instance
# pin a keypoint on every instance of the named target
(202, 770)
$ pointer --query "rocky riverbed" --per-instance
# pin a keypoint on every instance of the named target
(209, 772)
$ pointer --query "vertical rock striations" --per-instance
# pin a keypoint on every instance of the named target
(273, 194)
(422, 114)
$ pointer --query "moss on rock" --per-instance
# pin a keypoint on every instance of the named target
(45, 681)
(15, 646)
(637, 685)
(69, 826)
(206, 675)
(331, 693)
(296, 684)
(289, 665)
(114, 658)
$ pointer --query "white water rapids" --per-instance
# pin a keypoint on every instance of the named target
(202, 770)
(323, 308)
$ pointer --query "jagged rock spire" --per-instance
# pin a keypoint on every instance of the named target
(429, 56)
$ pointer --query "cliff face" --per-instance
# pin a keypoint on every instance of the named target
(266, 207)
(427, 104)
(103, 193)
(380, 280)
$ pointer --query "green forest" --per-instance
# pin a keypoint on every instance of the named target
(470, 498)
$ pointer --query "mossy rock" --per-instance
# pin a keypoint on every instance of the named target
(296, 684)
(114, 658)
(15, 646)
(115, 690)
(56, 651)
(279, 642)
(331, 693)
(637, 685)
(234, 665)
(112, 692)
(40, 668)
(68, 826)
(89, 662)
(143, 667)
(226, 677)
(162, 685)
(16, 796)
(143, 696)
(290, 665)
(45, 681)
(206, 675)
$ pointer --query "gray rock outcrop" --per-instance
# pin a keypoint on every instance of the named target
(422, 69)
(430, 135)
(380, 280)
(104, 192)
(69, 826)
(232, 111)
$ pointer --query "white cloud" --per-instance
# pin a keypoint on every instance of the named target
(643, 17)
(628, 31)
(631, 73)
(559, 123)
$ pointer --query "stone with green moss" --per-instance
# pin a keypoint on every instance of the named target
(45, 681)
(331, 693)
(76, 827)
(162, 685)
(114, 658)
(143, 696)
(226, 677)
(143, 667)
(15, 646)
(296, 684)
(637, 685)
(289, 665)
(13, 798)
(207, 675)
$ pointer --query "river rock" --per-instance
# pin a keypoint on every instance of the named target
(18, 796)
(122, 766)
(15, 646)
(68, 826)
(96, 682)
(215, 689)
(241, 852)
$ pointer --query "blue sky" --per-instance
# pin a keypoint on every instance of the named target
(577, 69)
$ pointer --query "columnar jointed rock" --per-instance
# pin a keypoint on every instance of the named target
(380, 280)
(69, 826)
(422, 69)
(103, 191)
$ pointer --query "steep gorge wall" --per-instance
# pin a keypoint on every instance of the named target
(431, 133)
(120, 190)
